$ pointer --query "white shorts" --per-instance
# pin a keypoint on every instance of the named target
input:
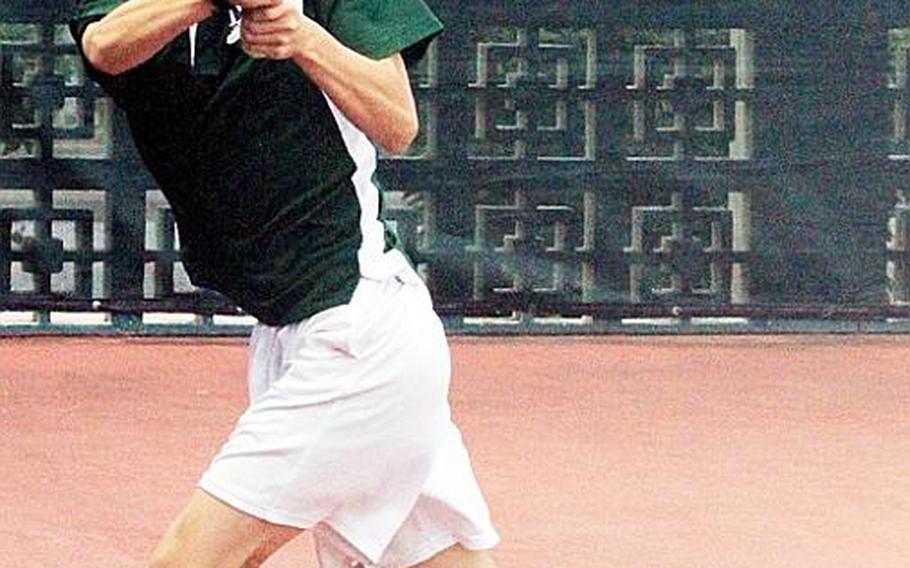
(349, 434)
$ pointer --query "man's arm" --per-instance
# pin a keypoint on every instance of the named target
(373, 94)
(136, 30)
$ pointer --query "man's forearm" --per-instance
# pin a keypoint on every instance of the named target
(374, 95)
(136, 30)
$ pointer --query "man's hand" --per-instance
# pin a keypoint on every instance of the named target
(277, 31)
(254, 4)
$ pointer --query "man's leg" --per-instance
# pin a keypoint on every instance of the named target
(269, 548)
(211, 534)
(459, 557)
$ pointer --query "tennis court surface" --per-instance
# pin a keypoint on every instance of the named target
(736, 452)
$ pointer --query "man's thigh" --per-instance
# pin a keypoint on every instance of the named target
(211, 534)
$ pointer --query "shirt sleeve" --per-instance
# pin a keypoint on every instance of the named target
(94, 8)
(88, 11)
(150, 82)
(381, 28)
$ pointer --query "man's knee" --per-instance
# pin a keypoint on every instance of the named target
(179, 547)
(181, 550)
(165, 555)
(176, 551)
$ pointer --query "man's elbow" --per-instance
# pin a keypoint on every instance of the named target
(401, 138)
(101, 53)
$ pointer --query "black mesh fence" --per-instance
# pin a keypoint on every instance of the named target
(585, 166)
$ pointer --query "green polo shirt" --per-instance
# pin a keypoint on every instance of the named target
(273, 189)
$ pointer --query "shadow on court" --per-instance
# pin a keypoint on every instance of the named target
(593, 453)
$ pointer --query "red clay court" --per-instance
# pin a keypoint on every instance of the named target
(735, 452)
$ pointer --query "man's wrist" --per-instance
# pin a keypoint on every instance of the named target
(311, 43)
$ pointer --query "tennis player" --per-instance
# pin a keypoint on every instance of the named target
(259, 120)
